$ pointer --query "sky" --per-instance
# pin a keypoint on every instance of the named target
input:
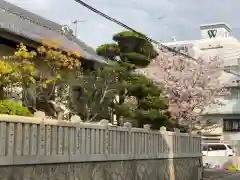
(159, 19)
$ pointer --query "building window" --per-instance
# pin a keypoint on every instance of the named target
(231, 125)
(234, 92)
(183, 48)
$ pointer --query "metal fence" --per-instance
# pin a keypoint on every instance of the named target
(25, 140)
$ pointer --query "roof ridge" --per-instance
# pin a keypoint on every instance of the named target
(42, 24)
(28, 18)
(40, 27)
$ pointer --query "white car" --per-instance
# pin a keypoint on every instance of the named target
(217, 149)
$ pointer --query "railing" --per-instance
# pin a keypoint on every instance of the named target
(25, 140)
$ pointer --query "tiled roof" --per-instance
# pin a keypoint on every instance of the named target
(29, 25)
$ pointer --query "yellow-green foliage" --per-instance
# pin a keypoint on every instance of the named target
(13, 108)
(8, 74)
(59, 59)
(20, 70)
(21, 66)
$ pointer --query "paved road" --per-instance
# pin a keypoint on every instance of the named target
(211, 174)
(232, 177)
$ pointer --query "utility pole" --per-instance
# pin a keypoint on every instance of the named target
(76, 25)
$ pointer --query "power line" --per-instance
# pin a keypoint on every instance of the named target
(140, 34)
(131, 29)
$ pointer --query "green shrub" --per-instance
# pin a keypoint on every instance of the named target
(13, 108)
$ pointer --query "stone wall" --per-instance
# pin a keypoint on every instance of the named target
(160, 169)
(37, 148)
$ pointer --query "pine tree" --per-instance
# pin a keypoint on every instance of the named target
(139, 98)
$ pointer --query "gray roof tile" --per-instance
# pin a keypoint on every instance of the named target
(26, 24)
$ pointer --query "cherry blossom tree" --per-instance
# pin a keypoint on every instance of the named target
(190, 85)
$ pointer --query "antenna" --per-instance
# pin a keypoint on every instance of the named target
(76, 25)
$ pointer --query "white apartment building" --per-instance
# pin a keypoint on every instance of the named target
(216, 40)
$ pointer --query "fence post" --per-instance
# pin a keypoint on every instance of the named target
(128, 143)
(40, 114)
(176, 143)
(76, 119)
(147, 126)
(163, 128)
(164, 147)
(176, 130)
(163, 142)
(149, 147)
(104, 123)
(168, 136)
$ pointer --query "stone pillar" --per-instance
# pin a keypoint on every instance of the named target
(163, 128)
(127, 125)
(39, 114)
(105, 122)
(60, 115)
(147, 126)
(176, 130)
(76, 119)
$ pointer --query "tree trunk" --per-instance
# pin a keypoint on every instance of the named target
(1, 93)
(121, 101)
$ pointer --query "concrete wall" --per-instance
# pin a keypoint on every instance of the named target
(156, 169)
(41, 148)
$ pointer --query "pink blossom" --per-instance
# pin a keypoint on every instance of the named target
(190, 85)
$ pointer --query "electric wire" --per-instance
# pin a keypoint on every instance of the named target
(131, 29)
(140, 34)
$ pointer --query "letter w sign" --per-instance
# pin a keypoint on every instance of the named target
(212, 33)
